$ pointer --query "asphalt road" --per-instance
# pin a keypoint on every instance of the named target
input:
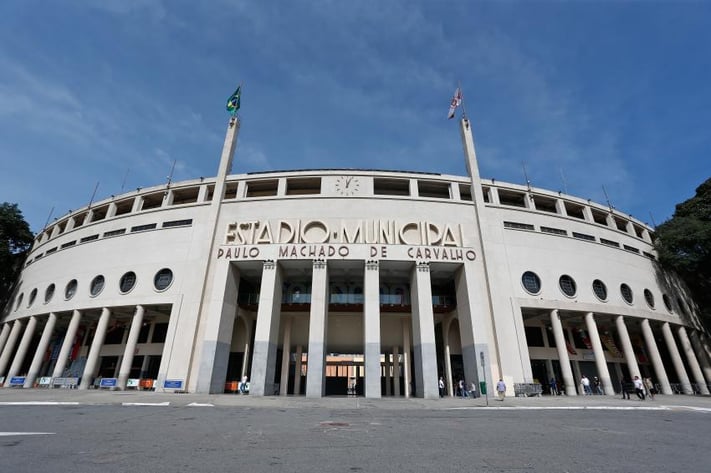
(114, 438)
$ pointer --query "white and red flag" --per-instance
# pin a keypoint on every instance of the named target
(456, 102)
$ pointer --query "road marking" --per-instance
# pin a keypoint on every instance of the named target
(585, 408)
(198, 404)
(145, 403)
(38, 403)
(8, 434)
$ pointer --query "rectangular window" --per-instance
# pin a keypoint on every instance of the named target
(534, 336)
(384, 186)
(638, 231)
(178, 223)
(609, 242)
(89, 238)
(632, 249)
(649, 255)
(545, 204)
(515, 199)
(519, 226)
(124, 207)
(159, 333)
(143, 228)
(99, 213)
(264, 188)
(120, 231)
(436, 190)
(153, 201)
(574, 210)
(554, 231)
(583, 236)
(599, 217)
(621, 224)
(51, 250)
(68, 244)
(185, 196)
(303, 186)
(231, 190)
(465, 193)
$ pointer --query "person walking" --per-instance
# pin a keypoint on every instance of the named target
(441, 387)
(598, 386)
(243, 385)
(463, 388)
(553, 386)
(623, 388)
(649, 386)
(501, 389)
(585, 383)
(639, 387)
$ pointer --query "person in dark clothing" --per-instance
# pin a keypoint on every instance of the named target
(623, 388)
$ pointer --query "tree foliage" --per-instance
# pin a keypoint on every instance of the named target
(684, 245)
(15, 241)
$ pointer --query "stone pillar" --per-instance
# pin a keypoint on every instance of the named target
(425, 353)
(659, 370)
(396, 372)
(248, 323)
(267, 331)
(41, 350)
(701, 353)
(371, 329)
(692, 361)
(388, 378)
(67, 344)
(318, 328)
(566, 371)
(406, 357)
(3, 335)
(285, 358)
(297, 370)
(130, 350)
(627, 347)
(676, 359)
(9, 348)
(446, 325)
(600, 360)
(92, 361)
(16, 365)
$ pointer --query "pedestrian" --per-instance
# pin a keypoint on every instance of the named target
(649, 387)
(472, 391)
(553, 386)
(639, 387)
(598, 386)
(501, 389)
(243, 385)
(441, 387)
(623, 388)
(463, 388)
(585, 383)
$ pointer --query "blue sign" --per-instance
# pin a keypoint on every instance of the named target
(108, 383)
(173, 384)
(17, 380)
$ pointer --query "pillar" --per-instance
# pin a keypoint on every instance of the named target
(424, 351)
(656, 358)
(396, 371)
(16, 365)
(566, 371)
(627, 347)
(406, 356)
(701, 353)
(676, 359)
(92, 361)
(67, 344)
(600, 360)
(692, 361)
(285, 358)
(267, 331)
(446, 325)
(10, 346)
(130, 349)
(248, 323)
(41, 350)
(297, 370)
(371, 329)
(388, 378)
(3, 335)
(318, 328)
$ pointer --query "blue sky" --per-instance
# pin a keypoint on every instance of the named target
(586, 94)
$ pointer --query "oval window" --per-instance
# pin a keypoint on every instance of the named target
(531, 282)
(163, 279)
(97, 285)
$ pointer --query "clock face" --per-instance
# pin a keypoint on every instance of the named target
(347, 185)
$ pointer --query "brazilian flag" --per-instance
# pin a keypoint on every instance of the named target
(234, 101)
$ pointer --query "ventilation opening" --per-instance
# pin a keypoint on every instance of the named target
(391, 186)
(638, 231)
(185, 196)
(124, 207)
(599, 217)
(621, 224)
(231, 190)
(210, 193)
(544, 204)
(99, 213)
(436, 190)
(79, 220)
(574, 210)
(515, 199)
(303, 186)
(153, 201)
(262, 188)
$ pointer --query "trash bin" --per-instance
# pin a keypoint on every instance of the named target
(482, 387)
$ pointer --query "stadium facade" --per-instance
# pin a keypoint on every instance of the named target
(357, 282)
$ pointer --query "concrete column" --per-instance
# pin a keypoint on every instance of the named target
(676, 359)
(92, 361)
(371, 329)
(3, 335)
(653, 351)
(9, 348)
(285, 358)
(396, 372)
(130, 350)
(566, 371)
(701, 353)
(318, 328)
(406, 356)
(692, 361)
(267, 331)
(600, 360)
(297, 370)
(388, 378)
(425, 353)
(248, 323)
(16, 365)
(41, 350)
(67, 344)
(446, 325)
(627, 347)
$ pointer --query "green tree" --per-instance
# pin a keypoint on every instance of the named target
(15, 241)
(684, 246)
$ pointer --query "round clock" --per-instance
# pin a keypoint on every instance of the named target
(347, 185)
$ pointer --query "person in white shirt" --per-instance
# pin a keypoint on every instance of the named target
(639, 387)
(501, 389)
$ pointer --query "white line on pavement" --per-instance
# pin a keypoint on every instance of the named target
(198, 404)
(145, 403)
(38, 403)
(587, 408)
(8, 434)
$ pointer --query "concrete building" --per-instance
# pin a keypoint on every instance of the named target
(355, 282)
